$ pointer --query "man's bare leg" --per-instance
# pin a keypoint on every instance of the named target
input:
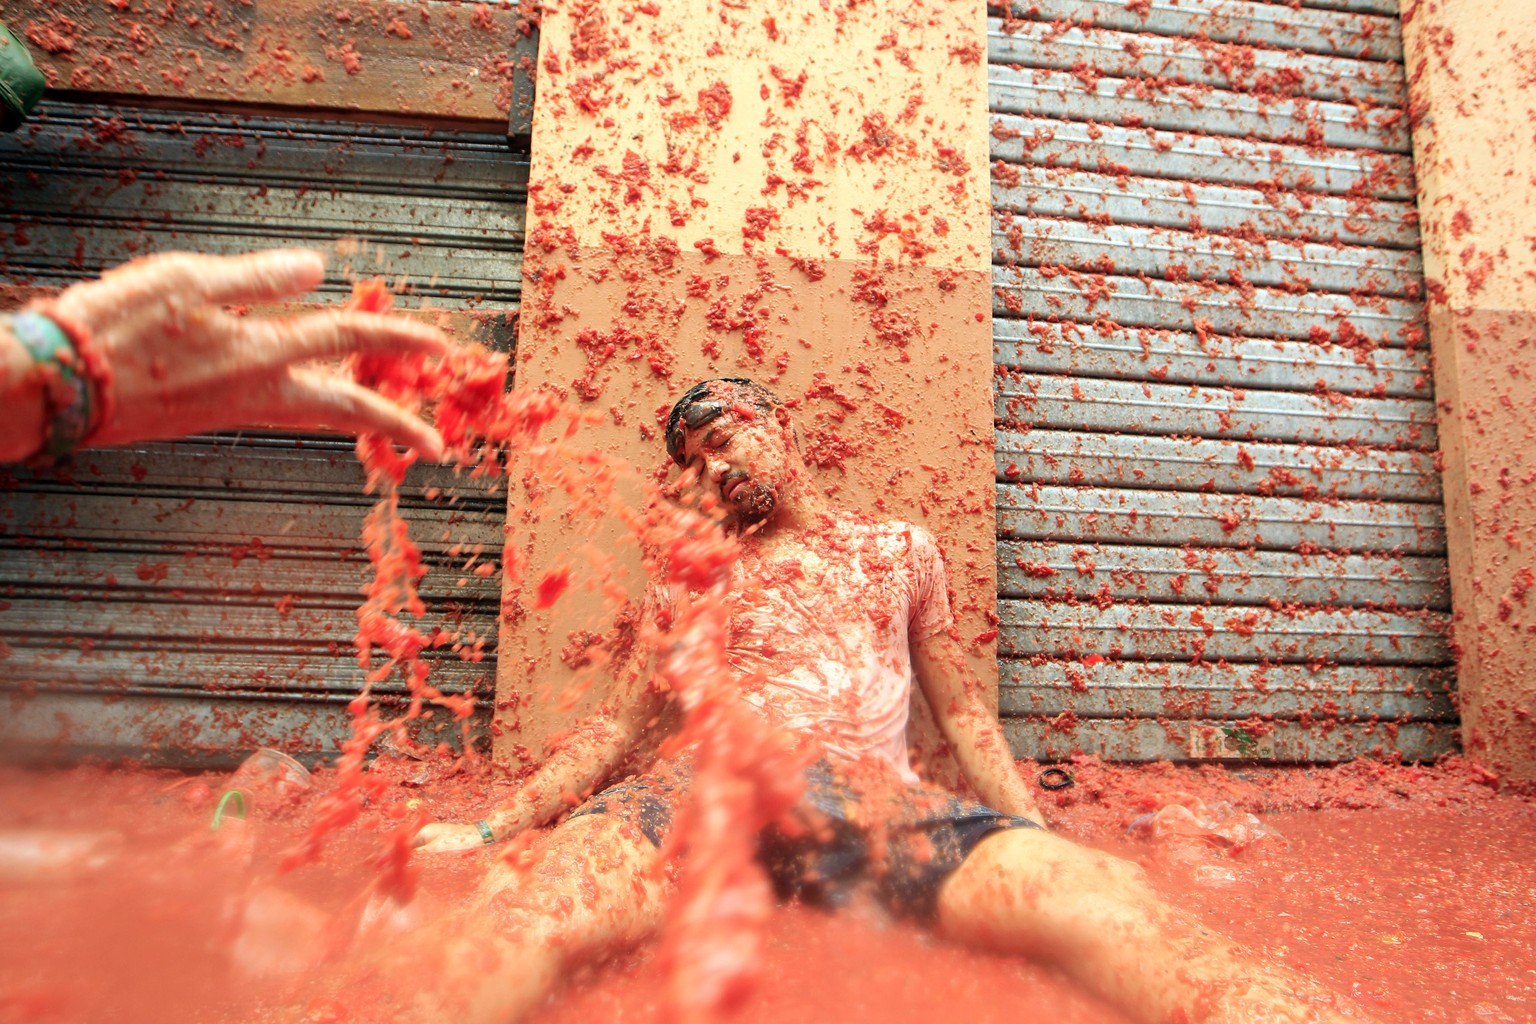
(1094, 917)
(591, 887)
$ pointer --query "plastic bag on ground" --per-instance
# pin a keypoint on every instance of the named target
(1218, 827)
(269, 774)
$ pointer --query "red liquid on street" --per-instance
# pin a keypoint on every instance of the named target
(1409, 889)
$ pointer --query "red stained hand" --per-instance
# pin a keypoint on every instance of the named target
(178, 363)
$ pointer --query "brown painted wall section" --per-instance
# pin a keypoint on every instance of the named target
(376, 60)
(787, 191)
(1472, 77)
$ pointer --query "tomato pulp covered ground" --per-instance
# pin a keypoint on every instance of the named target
(1411, 889)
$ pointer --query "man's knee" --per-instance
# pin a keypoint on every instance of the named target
(1023, 866)
(1033, 892)
(1007, 866)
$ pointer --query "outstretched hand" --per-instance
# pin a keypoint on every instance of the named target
(178, 363)
(447, 836)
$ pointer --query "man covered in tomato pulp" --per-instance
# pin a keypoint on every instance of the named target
(827, 618)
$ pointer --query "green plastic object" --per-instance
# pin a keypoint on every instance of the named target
(225, 810)
(21, 84)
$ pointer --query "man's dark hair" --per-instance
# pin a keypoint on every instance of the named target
(708, 400)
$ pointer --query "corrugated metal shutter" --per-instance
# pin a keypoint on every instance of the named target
(186, 602)
(1219, 520)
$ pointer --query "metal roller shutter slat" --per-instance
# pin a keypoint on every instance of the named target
(1254, 312)
(1065, 403)
(1184, 108)
(1195, 61)
(1179, 632)
(323, 576)
(1182, 156)
(130, 617)
(1206, 691)
(199, 731)
(226, 207)
(1231, 467)
(230, 467)
(1160, 253)
(1180, 358)
(197, 147)
(1279, 26)
(1123, 515)
(56, 253)
(1124, 572)
(1144, 739)
(1152, 202)
(340, 689)
(87, 518)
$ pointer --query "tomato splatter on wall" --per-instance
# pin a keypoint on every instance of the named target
(444, 63)
(1196, 229)
(1476, 199)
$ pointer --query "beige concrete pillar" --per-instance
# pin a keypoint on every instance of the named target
(795, 192)
(1472, 81)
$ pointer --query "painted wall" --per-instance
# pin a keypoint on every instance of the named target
(1472, 78)
(787, 191)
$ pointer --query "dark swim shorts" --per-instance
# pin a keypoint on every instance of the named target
(845, 836)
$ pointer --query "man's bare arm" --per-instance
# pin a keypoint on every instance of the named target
(588, 756)
(582, 761)
(970, 727)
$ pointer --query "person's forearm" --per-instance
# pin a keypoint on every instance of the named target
(971, 728)
(21, 396)
(984, 756)
(592, 752)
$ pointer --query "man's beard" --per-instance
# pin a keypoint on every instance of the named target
(753, 502)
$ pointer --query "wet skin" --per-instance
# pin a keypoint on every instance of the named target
(739, 461)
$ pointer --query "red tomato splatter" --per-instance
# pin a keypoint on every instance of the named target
(551, 587)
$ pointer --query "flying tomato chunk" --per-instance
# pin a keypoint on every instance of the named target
(551, 587)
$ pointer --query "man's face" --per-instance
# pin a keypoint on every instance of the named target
(740, 460)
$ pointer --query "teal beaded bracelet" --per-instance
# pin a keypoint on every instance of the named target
(67, 388)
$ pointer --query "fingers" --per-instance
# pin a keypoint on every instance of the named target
(173, 281)
(336, 333)
(264, 276)
(257, 276)
(327, 401)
